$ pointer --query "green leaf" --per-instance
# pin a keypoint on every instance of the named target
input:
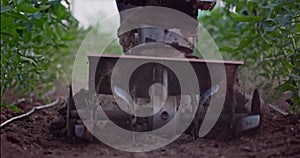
(31, 61)
(6, 21)
(245, 42)
(68, 38)
(14, 108)
(18, 16)
(44, 7)
(285, 87)
(225, 49)
(243, 18)
(26, 8)
(284, 20)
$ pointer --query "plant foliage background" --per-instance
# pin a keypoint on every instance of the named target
(38, 42)
(265, 34)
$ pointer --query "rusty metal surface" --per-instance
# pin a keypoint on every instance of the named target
(100, 76)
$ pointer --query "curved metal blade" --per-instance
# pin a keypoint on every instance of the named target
(246, 123)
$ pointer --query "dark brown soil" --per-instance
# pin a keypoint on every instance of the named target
(278, 136)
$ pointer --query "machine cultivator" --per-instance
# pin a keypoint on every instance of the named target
(233, 118)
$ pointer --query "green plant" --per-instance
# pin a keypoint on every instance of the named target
(266, 35)
(35, 40)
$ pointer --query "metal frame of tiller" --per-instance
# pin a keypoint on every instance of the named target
(231, 119)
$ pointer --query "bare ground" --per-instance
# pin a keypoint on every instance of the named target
(278, 136)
